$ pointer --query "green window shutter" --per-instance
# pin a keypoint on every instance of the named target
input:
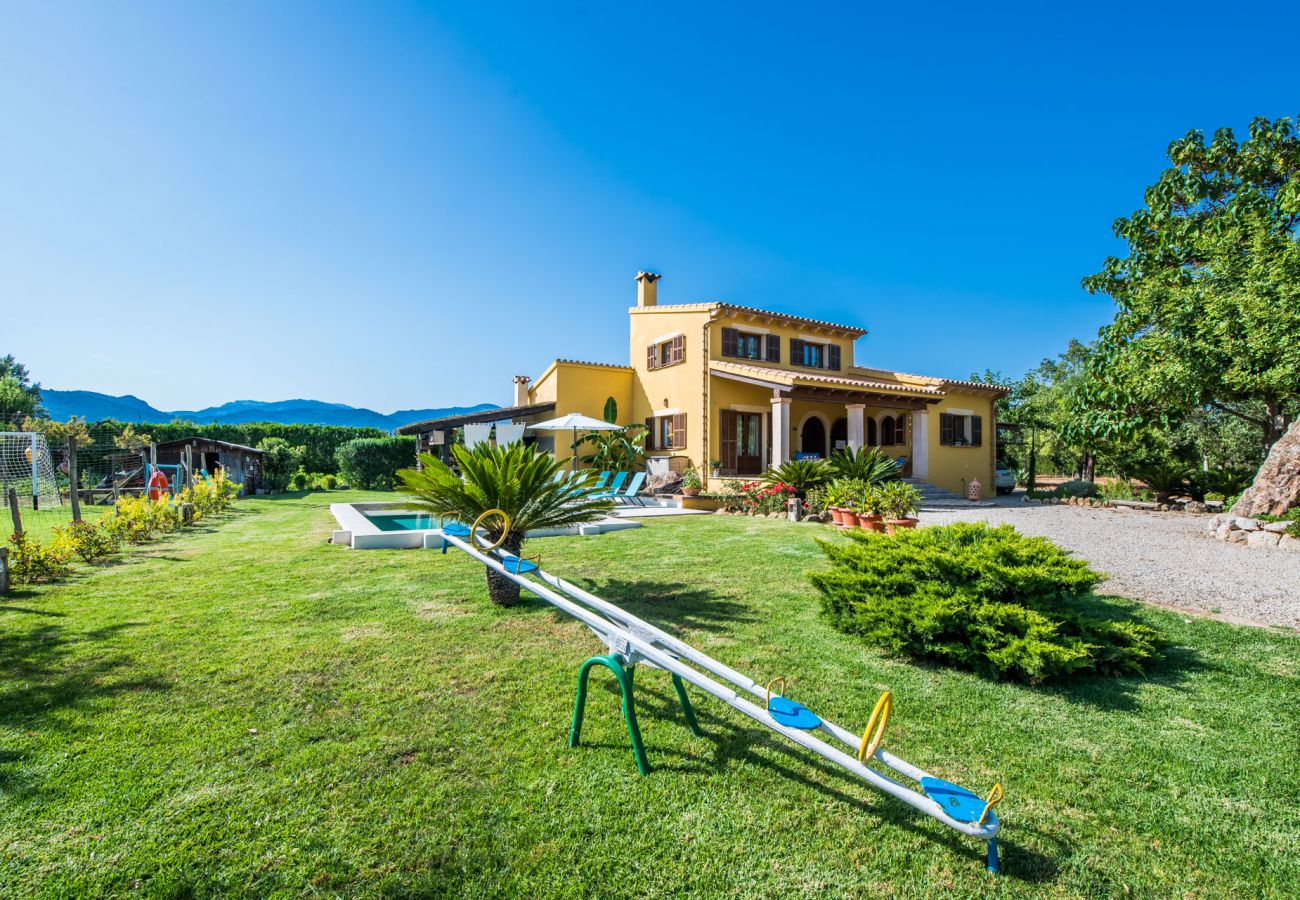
(650, 433)
(945, 428)
(976, 431)
(773, 348)
(833, 357)
(796, 352)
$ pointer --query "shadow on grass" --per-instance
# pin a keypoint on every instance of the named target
(673, 604)
(42, 676)
(748, 744)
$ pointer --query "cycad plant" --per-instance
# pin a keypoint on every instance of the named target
(519, 480)
(869, 464)
(801, 474)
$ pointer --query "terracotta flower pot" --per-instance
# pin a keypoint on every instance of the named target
(892, 524)
(850, 518)
(691, 492)
(872, 521)
(837, 514)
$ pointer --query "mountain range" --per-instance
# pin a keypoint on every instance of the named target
(95, 406)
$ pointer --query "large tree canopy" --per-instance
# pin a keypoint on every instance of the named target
(19, 398)
(1209, 293)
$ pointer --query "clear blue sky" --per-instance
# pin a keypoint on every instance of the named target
(399, 206)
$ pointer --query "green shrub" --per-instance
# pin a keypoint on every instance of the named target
(280, 462)
(31, 562)
(372, 463)
(330, 481)
(92, 542)
(1077, 488)
(988, 600)
(299, 481)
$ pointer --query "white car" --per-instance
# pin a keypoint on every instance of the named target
(1004, 480)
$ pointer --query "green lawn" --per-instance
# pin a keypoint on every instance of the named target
(245, 709)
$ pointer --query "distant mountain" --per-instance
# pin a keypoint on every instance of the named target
(94, 406)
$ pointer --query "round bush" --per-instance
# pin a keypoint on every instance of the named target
(372, 463)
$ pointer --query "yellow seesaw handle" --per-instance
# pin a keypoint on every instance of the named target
(879, 719)
(780, 693)
(994, 796)
(505, 531)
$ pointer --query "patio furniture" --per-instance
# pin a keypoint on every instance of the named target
(612, 491)
(631, 495)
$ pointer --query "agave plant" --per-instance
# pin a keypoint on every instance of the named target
(869, 464)
(519, 480)
(801, 474)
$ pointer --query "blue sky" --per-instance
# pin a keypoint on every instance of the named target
(397, 206)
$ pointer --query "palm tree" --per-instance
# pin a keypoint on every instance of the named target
(519, 480)
(801, 474)
(869, 464)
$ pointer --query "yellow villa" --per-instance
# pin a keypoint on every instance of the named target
(737, 390)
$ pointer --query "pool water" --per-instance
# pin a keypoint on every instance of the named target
(409, 521)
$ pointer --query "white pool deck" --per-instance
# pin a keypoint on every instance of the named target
(357, 529)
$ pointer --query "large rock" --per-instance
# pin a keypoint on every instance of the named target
(1289, 542)
(1277, 486)
(1262, 539)
(664, 484)
(1276, 527)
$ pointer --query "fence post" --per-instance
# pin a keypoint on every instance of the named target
(36, 487)
(13, 511)
(74, 494)
(4, 570)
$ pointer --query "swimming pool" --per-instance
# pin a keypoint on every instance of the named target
(401, 521)
(374, 526)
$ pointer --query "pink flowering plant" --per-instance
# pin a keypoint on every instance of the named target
(760, 498)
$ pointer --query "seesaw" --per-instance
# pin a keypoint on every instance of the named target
(632, 641)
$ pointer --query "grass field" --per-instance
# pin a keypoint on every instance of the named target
(39, 523)
(245, 709)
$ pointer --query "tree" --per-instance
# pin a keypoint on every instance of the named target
(620, 451)
(19, 397)
(373, 463)
(519, 480)
(280, 460)
(1209, 294)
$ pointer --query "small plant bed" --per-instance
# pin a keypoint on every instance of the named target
(988, 600)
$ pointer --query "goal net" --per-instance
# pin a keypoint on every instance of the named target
(28, 468)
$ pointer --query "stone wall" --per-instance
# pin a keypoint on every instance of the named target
(1253, 532)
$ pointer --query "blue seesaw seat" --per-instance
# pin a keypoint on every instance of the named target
(956, 801)
(794, 715)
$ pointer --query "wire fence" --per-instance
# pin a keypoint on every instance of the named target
(46, 482)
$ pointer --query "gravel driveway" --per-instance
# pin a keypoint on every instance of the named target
(1163, 558)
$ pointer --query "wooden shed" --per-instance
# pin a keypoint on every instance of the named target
(242, 465)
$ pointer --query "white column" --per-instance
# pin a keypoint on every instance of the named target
(780, 430)
(857, 432)
(920, 443)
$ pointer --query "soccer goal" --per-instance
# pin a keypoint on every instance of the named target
(27, 468)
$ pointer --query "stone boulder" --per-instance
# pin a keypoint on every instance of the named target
(1277, 486)
(664, 484)
(1262, 539)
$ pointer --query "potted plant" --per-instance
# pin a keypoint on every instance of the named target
(691, 482)
(715, 468)
(899, 504)
(836, 498)
(870, 501)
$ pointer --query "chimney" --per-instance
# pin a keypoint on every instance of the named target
(647, 294)
(521, 390)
